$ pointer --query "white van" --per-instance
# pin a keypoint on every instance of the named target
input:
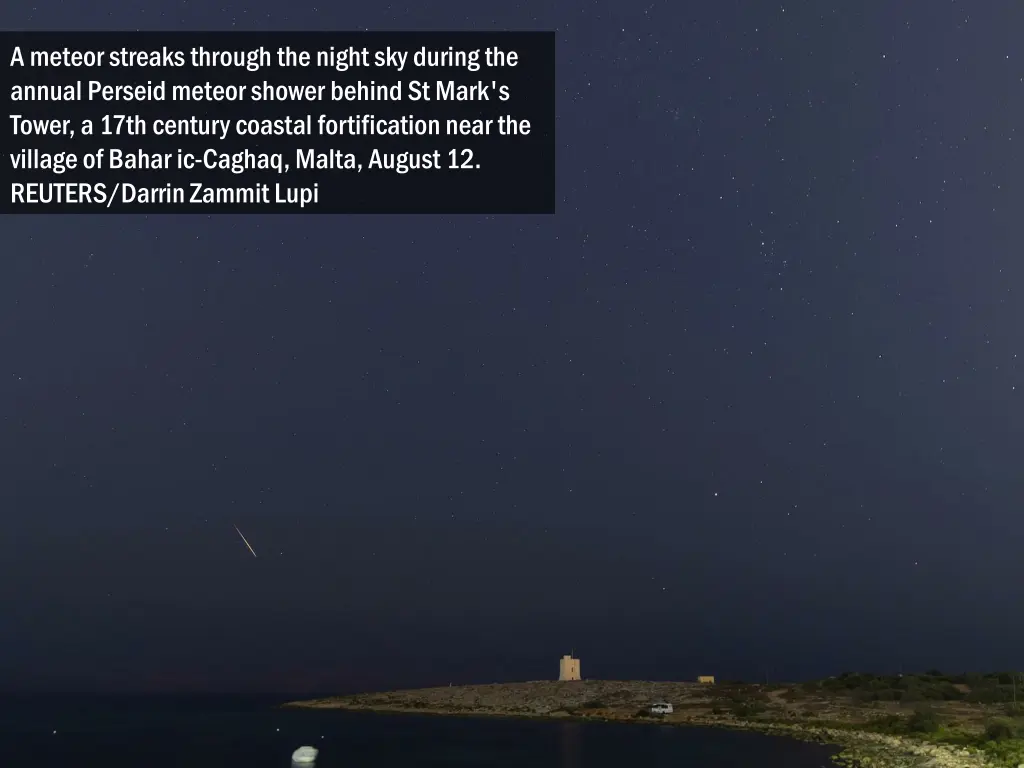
(661, 708)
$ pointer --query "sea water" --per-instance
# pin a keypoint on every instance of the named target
(236, 732)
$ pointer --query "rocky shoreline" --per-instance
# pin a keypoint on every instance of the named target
(823, 719)
(863, 748)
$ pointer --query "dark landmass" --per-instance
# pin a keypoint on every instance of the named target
(957, 721)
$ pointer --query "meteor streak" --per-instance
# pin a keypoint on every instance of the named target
(246, 542)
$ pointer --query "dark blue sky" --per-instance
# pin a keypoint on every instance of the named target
(750, 401)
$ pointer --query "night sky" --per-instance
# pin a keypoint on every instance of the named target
(750, 403)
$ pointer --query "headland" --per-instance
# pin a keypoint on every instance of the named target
(942, 721)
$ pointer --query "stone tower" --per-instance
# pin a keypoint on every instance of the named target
(569, 668)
